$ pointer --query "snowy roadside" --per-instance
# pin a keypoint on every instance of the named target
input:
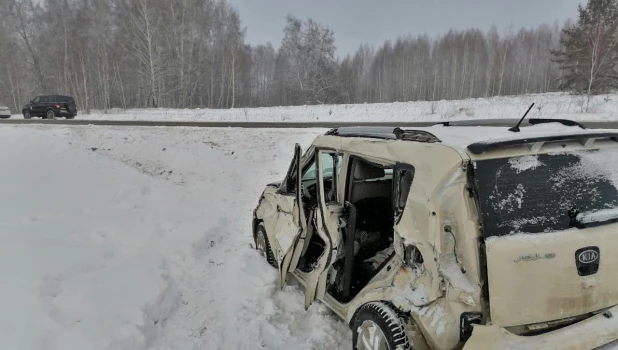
(551, 105)
(140, 238)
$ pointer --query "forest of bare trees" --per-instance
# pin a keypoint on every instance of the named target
(192, 53)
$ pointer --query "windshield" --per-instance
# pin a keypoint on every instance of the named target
(548, 192)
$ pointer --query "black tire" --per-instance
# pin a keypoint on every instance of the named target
(70, 117)
(49, 114)
(384, 317)
(27, 115)
(261, 238)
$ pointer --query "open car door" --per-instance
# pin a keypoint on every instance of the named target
(291, 226)
(328, 223)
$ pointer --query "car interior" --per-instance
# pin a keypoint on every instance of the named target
(370, 190)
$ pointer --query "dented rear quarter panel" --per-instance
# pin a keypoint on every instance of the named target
(438, 196)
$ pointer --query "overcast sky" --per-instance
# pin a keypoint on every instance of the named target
(373, 21)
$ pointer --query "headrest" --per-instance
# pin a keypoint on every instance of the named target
(364, 171)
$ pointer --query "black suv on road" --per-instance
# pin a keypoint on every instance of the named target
(50, 107)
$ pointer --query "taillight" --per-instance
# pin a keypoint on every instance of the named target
(57, 106)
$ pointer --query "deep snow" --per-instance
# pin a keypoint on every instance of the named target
(140, 238)
(551, 105)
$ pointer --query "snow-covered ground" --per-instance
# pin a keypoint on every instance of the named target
(136, 238)
(552, 105)
(139, 238)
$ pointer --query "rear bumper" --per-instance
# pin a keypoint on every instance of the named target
(592, 333)
(64, 112)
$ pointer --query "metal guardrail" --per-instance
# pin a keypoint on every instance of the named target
(257, 125)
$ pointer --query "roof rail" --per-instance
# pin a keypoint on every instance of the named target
(566, 122)
(509, 122)
(482, 147)
(385, 133)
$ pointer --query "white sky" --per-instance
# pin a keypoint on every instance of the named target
(373, 21)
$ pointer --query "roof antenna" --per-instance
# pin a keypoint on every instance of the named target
(516, 127)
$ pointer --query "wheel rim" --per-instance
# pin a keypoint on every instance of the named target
(260, 243)
(371, 337)
(50, 115)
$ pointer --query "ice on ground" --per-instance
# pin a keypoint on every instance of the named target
(139, 238)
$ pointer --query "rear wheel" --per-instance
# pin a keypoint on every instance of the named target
(27, 115)
(50, 114)
(263, 246)
(377, 327)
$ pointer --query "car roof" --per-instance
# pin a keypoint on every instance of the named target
(476, 141)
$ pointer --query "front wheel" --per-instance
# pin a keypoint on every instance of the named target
(262, 244)
(50, 114)
(377, 327)
(27, 115)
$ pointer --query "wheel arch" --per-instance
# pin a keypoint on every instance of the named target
(354, 313)
(391, 319)
(255, 224)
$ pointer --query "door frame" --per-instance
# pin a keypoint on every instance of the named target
(295, 169)
(315, 281)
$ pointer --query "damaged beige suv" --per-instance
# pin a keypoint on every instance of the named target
(454, 236)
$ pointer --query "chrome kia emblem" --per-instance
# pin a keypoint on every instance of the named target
(588, 256)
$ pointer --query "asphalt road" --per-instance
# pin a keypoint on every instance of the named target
(505, 122)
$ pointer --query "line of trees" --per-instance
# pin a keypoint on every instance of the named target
(588, 55)
(457, 65)
(192, 53)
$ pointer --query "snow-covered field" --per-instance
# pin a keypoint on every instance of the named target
(552, 105)
(138, 238)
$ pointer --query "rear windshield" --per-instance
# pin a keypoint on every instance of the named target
(546, 193)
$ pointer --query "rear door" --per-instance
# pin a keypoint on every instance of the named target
(549, 223)
(545, 277)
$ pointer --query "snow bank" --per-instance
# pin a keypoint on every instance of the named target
(552, 105)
